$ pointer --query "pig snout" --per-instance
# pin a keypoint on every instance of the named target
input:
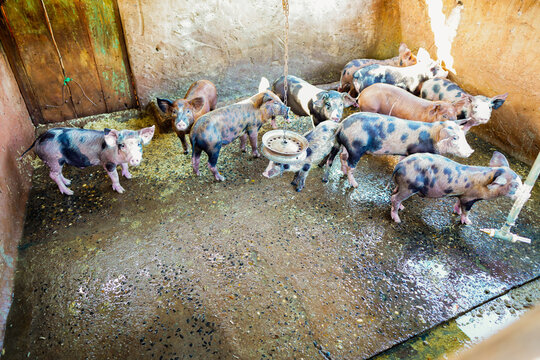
(271, 170)
(181, 124)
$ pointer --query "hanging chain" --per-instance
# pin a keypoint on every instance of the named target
(285, 4)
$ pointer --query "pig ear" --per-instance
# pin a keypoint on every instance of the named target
(459, 104)
(164, 104)
(348, 100)
(402, 47)
(498, 100)
(146, 134)
(498, 160)
(197, 103)
(423, 55)
(498, 181)
(435, 108)
(111, 136)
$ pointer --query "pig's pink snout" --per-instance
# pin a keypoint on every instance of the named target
(181, 125)
(135, 162)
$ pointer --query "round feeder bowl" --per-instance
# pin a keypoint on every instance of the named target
(284, 147)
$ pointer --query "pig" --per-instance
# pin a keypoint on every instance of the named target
(222, 126)
(321, 140)
(391, 100)
(405, 58)
(435, 176)
(200, 98)
(408, 78)
(308, 100)
(364, 132)
(82, 148)
(477, 108)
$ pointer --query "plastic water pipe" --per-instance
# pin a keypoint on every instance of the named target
(523, 195)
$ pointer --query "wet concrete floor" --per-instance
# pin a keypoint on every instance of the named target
(185, 267)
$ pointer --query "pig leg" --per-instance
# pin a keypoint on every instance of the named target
(243, 140)
(196, 159)
(184, 143)
(329, 162)
(294, 182)
(457, 207)
(301, 177)
(396, 200)
(344, 156)
(125, 171)
(111, 170)
(253, 142)
(352, 160)
(66, 182)
(56, 175)
(465, 208)
(212, 164)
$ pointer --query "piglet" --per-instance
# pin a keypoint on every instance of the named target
(378, 134)
(435, 176)
(476, 108)
(306, 99)
(408, 78)
(392, 100)
(222, 126)
(405, 58)
(321, 140)
(200, 98)
(83, 148)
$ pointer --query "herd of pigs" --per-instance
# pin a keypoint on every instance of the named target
(407, 108)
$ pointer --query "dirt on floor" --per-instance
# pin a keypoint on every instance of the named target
(181, 266)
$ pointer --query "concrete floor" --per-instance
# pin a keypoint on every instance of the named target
(185, 267)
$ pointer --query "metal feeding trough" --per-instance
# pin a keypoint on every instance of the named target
(284, 147)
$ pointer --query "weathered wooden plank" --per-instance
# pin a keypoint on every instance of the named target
(17, 66)
(38, 59)
(74, 44)
(106, 40)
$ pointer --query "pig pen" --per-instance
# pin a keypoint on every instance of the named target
(186, 267)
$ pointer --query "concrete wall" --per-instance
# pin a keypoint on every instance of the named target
(172, 43)
(15, 180)
(496, 50)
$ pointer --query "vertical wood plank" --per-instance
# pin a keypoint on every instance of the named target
(106, 41)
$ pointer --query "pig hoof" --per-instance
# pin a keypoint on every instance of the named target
(66, 191)
(256, 154)
(118, 188)
(220, 177)
(466, 221)
(395, 217)
(127, 175)
(401, 207)
(298, 189)
(66, 182)
(186, 152)
(354, 184)
(325, 179)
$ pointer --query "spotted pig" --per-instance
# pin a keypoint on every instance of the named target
(222, 126)
(83, 148)
(321, 140)
(435, 176)
(476, 108)
(370, 133)
(408, 78)
(306, 99)
(405, 58)
(392, 100)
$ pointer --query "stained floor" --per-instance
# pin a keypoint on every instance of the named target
(185, 267)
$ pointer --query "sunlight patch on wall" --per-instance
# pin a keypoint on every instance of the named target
(444, 30)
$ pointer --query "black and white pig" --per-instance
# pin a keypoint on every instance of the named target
(476, 108)
(408, 78)
(222, 126)
(83, 148)
(321, 140)
(306, 99)
(435, 176)
(368, 133)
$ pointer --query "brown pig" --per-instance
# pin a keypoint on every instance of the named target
(200, 98)
(391, 100)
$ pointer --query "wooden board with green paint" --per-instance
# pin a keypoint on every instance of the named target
(90, 41)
